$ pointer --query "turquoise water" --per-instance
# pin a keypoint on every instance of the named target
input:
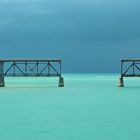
(89, 107)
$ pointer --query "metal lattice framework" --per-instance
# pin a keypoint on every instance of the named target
(129, 68)
(31, 68)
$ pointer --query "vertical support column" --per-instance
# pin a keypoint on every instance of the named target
(61, 79)
(121, 82)
(133, 67)
(49, 68)
(61, 82)
(2, 83)
(60, 68)
(25, 68)
(121, 67)
(14, 68)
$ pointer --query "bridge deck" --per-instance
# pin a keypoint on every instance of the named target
(130, 60)
(30, 60)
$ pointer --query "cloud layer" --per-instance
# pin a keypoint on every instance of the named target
(62, 27)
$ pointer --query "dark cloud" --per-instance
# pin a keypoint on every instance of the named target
(79, 31)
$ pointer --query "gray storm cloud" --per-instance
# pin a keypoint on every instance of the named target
(62, 27)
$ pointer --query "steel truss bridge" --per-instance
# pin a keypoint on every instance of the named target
(129, 68)
(31, 68)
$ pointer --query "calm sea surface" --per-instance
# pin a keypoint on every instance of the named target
(89, 107)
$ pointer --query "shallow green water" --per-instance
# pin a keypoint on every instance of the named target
(90, 107)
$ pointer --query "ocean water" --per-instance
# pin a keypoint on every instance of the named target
(89, 107)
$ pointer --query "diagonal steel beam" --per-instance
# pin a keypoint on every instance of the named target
(43, 69)
(9, 69)
(54, 69)
(19, 69)
(127, 69)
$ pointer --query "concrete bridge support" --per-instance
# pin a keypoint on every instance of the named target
(61, 82)
(2, 84)
(121, 83)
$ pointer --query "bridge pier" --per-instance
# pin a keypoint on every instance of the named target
(2, 83)
(121, 82)
(61, 82)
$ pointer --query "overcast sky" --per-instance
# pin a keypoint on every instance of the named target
(89, 35)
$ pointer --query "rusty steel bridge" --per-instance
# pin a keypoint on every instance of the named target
(31, 68)
(129, 68)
